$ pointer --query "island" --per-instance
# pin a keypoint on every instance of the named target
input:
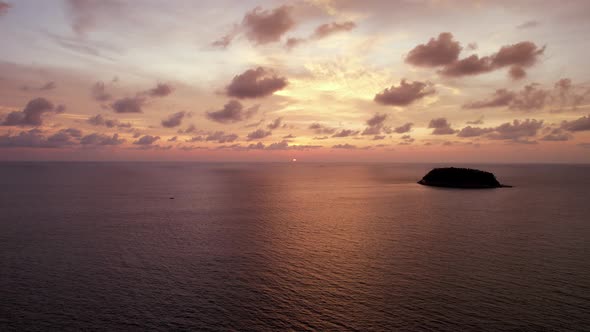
(465, 178)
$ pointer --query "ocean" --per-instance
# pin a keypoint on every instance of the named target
(291, 246)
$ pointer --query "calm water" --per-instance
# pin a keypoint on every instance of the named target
(291, 247)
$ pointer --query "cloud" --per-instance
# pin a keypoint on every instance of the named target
(478, 121)
(437, 52)
(441, 127)
(275, 124)
(517, 73)
(472, 65)
(557, 135)
(581, 124)
(189, 130)
(328, 29)
(344, 146)
(32, 114)
(173, 139)
(407, 140)
(85, 13)
(101, 139)
(45, 87)
(404, 94)
(232, 112)
(35, 138)
(261, 26)
(99, 120)
(470, 131)
(444, 52)
(128, 105)
(290, 136)
(519, 55)
(146, 140)
(346, 133)
(98, 92)
(501, 97)
(375, 124)
(267, 26)
(403, 128)
(523, 54)
(531, 97)
(255, 83)
(161, 90)
(516, 130)
(4, 7)
(258, 134)
(221, 137)
(174, 120)
(321, 129)
(528, 25)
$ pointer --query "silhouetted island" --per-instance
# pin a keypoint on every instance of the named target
(466, 178)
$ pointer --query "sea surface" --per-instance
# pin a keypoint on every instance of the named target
(291, 246)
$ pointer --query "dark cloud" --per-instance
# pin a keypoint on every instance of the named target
(519, 55)
(232, 112)
(557, 135)
(328, 29)
(531, 97)
(189, 130)
(344, 146)
(289, 136)
(255, 83)
(161, 90)
(267, 26)
(146, 140)
(98, 92)
(404, 94)
(528, 25)
(128, 105)
(516, 130)
(275, 124)
(322, 31)
(221, 137)
(517, 73)
(173, 139)
(441, 127)
(45, 87)
(293, 42)
(476, 122)
(407, 140)
(404, 128)
(472, 65)
(444, 52)
(437, 52)
(174, 120)
(101, 139)
(346, 133)
(581, 124)
(35, 138)
(99, 120)
(258, 134)
(321, 138)
(73, 132)
(375, 124)
(85, 13)
(523, 54)
(32, 114)
(470, 131)
(4, 7)
(501, 97)
(320, 129)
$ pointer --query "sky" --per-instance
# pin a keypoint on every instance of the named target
(312, 80)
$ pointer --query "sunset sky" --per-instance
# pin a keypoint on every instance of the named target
(316, 80)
